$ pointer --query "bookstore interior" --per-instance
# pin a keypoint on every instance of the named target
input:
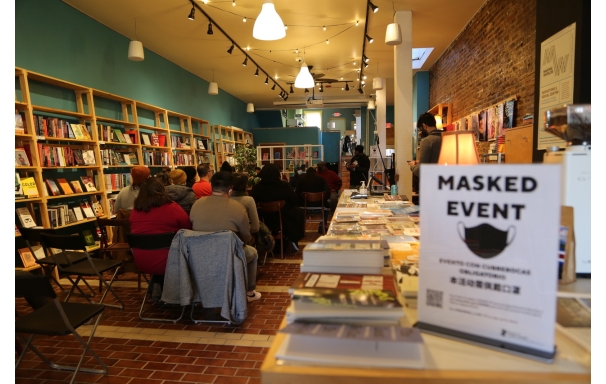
(498, 290)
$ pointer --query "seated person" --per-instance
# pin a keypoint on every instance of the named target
(127, 195)
(311, 182)
(154, 212)
(191, 175)
(272, 188)
(241, 196)
(334, 183)
(203, 187)
(299, 171)
(218, 212)
(164, 177)
(179, 191)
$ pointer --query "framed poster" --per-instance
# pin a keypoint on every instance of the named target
(489, 256)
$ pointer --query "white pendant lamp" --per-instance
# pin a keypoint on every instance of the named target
(371, 103)
(377, 83)
(213, 88)
(268, 25)
(393, 34)
(304, 78)
(250, 108)
(135, 48)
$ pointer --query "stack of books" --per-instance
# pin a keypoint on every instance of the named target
(345, 256)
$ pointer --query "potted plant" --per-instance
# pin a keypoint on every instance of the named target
(246, 158)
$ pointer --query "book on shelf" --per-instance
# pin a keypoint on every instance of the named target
(76, 186)
(155, 140)
(127, 138)
(21, 159)
(88, 155)
(315, 155)
(97, 208)
(64, 185)
(119, 136)
(265, 156)
(27, 258)
(78, 129)
(19, 125)
(145, 139)
(352, 345)
(87, 209)
(89, 239)
(277, 155)
(78, 157)
(342, 281)
(62, 214)
(18, 187)
(78, 213)
(348, 305)
(25, 217)
(30, 190)
(133, 136)
(88, 183)
(52, 187)
(17, 231)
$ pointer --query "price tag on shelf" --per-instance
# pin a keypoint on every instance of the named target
(40, 138)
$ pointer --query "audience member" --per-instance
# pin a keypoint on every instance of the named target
(179, 191)
(311, 182)
(271, 188)
(226, 167)
(164, 177)
(126, 197)
(226, 214)
(240, 195)
(203, 187)
(299, 171)
(334, 183)
(191, 175)
(154, 212)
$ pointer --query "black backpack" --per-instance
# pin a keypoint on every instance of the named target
(265, 241)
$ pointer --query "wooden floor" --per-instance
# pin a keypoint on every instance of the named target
(137, 351)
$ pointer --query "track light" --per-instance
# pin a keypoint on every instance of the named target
(192, 14)
(210, 29)
(245, 63)
(347, 86)
(273, 87)
(321, 87)
(291, 90)
(365, 65)
(370, 39)
(285, 27)
(257, 72)
(306, 90)
(365, 58)
(360, 89)
(373, 7)
(357, 22)
(266, 80)
(285, 97)
(231, 49)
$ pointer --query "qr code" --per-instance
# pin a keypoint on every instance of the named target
(434, 298)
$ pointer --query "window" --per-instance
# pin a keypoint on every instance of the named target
(313, 119)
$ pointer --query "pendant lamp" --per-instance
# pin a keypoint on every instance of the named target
(393, 34)
(250, 108)
(213, 88)
(268, 25)
(371, 103)
(304, 78)
(135, 51)
(377, 82)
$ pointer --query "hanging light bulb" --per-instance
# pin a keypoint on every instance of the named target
(135, 48)
(250, 108)
(192, 14)
(268, 25)
(393, 34)
(304, 78)
(213, 88)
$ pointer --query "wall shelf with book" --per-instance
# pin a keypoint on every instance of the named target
(289, 157)
(225, 140)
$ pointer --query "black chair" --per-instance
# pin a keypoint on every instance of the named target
(87, 268)
(54, 319)
(141, 242)
(274, 208)
(315, 214)
(48, 262)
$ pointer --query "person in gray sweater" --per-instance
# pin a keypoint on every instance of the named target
(241, 196)
(179, 192)
(218, 212)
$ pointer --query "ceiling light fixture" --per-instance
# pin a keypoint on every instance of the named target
(357, 22)
(347, 86)
(244, 19)
(321, 87)
(354, 63)
(291, 90)
(257, 72)
(377, 82)
(233, 3)
(213, 88)
(192, 14)
(371, 103)
(285, 27)
(324, 27)
(304, 78)
(365, 65)
(360, 89)
(245, 62)
(266, 80)
(250, 108)
(135, 48)
(231, 49)
(273, 87)
(306, 90)
(373, 7)
(365, 58)
(326, 41)
(210, 29)
(269, 25)
(370, 39)
(393, 34)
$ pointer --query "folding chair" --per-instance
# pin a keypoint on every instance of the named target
(88, 267)
(54, 319)
(140, 243)
(48, 262)
(315, 214)
(107, 248)
(274, 207)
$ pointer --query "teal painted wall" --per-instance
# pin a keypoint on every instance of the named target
(420, 94)
(332, 146)
(57, 40)
(269, 119)
(289, 136)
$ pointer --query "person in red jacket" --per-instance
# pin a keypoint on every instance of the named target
(334, 183)
(155, 212)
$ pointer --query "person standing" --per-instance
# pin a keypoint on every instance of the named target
(126, 197)
(203, 187)
(218, 212)
(358, 167)
(334, 184)
(429, 150)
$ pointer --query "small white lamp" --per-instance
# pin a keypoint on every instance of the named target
(393, 34)
(135, 51)
(250, 108)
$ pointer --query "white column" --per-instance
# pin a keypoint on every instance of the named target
(403, 103)
(380, 107)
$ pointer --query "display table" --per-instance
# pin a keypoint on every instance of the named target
(447, 360)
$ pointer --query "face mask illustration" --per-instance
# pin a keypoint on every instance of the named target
(485, 240)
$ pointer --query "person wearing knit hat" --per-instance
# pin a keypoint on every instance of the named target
(179, 192)
(126, 197)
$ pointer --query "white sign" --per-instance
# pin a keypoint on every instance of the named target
(489, 254)
(556, 80)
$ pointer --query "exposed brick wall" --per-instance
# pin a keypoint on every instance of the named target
(492, 59)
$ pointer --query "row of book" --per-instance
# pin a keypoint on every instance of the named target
(156, 158)
(117, 181)
(202, 144)
(183, 159)
(153, 139)
(115, 135)
(62, 214)
(58, 156)
(26, 188)
(179, 142)
(229, 148)
(112, 156)
(55, 127)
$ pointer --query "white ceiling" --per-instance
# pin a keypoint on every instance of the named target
(163, 27)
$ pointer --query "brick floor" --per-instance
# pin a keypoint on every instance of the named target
(137, 351)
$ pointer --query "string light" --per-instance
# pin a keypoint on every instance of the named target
(324, 27)
(233, 3)
(326, 41)
(244, 19)
(357, 22)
